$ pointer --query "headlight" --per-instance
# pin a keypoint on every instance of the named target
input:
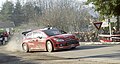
(58, 39)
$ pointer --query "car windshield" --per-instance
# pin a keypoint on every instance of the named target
(52, 32)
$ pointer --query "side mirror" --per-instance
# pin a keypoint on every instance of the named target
(39, 37)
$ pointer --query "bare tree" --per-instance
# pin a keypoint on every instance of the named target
(69, 15)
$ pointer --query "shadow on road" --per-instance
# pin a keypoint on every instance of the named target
(7, 59)
(85, 47)
(109, 56)
(113, 55)
(91, 47)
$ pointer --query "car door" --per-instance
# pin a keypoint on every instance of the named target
(39, 40)
(29, 39)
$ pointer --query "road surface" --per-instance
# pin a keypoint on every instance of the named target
(87, 54)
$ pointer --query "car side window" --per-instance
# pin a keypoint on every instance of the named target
(39, 34)
(43, 35)
(29, 35)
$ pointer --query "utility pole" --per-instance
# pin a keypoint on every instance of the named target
(118, 23)
(110, 27)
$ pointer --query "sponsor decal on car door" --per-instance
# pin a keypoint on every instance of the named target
(41, 43)
(39, 40)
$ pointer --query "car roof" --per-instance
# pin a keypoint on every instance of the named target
(47, 28)
(38, 30)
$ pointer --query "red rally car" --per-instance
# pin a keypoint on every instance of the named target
(48, 40)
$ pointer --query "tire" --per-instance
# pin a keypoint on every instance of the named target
(25, 48)
(50, 47)
(73, 47)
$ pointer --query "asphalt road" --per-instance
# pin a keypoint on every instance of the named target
(89, 54)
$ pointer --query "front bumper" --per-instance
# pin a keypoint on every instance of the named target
(66, 47)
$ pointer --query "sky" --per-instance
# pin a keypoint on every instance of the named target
(1, 2)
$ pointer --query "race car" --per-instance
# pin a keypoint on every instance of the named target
(48, 40)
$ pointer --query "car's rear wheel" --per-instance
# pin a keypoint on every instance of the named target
(25, 47)
(50, 47)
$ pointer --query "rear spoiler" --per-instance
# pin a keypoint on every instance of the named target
(25, 32)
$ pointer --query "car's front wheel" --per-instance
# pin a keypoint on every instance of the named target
(25, 47)
(50, 47)
(73, 47)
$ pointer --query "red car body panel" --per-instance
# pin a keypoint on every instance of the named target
(40, 44)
